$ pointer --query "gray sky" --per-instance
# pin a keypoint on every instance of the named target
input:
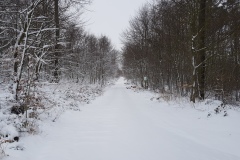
(111, 17)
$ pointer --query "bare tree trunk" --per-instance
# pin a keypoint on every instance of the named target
(201, 54)
(57, 35)
(18, 67)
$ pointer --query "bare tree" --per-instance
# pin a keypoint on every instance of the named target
(184, 47)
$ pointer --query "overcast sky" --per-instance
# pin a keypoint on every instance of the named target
(111, 17)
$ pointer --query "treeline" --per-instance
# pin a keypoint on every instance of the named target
(41, 40)
(186, 47)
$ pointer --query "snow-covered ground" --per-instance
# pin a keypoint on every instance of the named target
(126, 125)
(50, 101)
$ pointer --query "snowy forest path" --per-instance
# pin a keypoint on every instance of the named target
(122, 125)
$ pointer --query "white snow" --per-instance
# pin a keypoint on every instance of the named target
(126, 125)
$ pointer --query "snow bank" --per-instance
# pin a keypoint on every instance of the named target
(51, 100)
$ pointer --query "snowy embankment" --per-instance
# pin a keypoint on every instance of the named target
(126, 125)
(51, 100)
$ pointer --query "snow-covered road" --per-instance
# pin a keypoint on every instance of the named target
(124, 125)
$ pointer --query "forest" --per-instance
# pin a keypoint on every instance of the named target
(186, 48)
(45, 40)
(171, 92)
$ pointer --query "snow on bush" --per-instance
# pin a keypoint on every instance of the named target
(210, 105)
(48, 102)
